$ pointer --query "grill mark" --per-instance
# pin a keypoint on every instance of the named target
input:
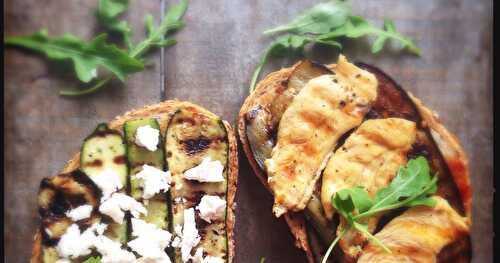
(194, 146)
(120, 159)
(95, 163)
(316, 120)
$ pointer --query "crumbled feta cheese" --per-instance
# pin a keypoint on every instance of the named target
(112, 252)
(151, 241)
(178, 186)
(212, 259)
(108, 181)
(147, 137)
(75, 244)
(117, 203)
(198, 256)
(80, 212)
(206, 171)
(176, 242)
(190, 237)
(154, 180)
(211, 207)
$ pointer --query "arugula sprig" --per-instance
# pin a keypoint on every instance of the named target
(327, 24)
(412, 186)
(88, 56)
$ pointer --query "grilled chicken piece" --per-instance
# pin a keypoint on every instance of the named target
(370, 158)
(418, 235)
(326, 108)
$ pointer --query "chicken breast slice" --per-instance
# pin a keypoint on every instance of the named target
(418, 235)
(326, 108)
(370, 157)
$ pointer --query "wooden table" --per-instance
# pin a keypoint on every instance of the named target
(211, 65)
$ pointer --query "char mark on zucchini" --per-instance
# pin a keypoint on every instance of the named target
(191, 137)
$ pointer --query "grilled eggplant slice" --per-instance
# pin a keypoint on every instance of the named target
(57, 195)
(137, 156)
(192, 136)
(105, 149)
(326, 108)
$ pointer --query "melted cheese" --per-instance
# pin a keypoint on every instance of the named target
(418, 235)
(326, 108)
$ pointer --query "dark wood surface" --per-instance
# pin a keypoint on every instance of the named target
(212, 65)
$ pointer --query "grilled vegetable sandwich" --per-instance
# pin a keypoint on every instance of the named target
(156, 184)
(359, 168)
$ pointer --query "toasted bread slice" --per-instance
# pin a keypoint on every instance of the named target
(163, 111)
(442, 146)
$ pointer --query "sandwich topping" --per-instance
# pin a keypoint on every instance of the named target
(115, 214)
(326, 108)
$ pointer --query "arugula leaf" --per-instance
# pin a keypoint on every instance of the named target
(320, 19)
(108, 12)
(86, 56)
(357, 26)
(92, 260)
(327, 23)
(172, 21)
(412, 186)
(262, 259)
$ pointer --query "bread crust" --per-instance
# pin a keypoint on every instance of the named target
(163, 111)
(447, 143)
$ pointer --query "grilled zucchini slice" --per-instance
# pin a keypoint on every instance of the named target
(192, 136)
(105, 149)
(57, 195)
(137, 156)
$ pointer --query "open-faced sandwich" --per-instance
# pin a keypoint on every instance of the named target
(357, 164)
(156, 184)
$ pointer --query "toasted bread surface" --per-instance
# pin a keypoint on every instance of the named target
(163, 111)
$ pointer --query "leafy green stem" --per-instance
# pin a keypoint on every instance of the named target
(332, 245)
(75, 93)
(258, 69)
(154, 38)
(371, 237)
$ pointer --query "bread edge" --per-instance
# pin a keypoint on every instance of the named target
(164, 110)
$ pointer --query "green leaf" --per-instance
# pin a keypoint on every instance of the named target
(357, 26)
(176, 12)
(172, 21)
(412, 186)
(319, 19)
(108, 12)
(98, 85)
(86, 56)
(93, 260)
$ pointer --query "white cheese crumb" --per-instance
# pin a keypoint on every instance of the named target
(154, 180)
(190, 237)
(206, 171)
(178, 186)
(75, 244)
(151, 241)
(176, 242)
(48, 232)
(147, 137)
(117, 203)
(108, 181)
(80, 212)
(112, 251)
(198, 256)
(211, 207)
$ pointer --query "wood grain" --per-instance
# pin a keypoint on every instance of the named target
(212, 65)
